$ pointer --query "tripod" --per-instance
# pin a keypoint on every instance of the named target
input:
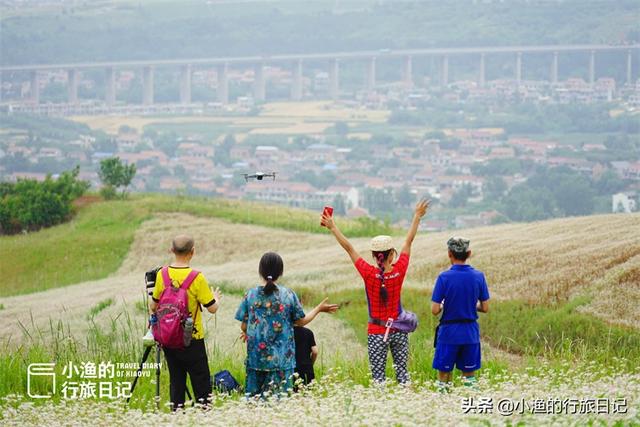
(145, 356)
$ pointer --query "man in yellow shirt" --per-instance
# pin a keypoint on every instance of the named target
(192, 359)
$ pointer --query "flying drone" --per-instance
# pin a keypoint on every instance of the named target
(259, 176)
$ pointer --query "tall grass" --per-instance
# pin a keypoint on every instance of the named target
(574, 340)
(556, 334)
(118, 340)
(96, 309)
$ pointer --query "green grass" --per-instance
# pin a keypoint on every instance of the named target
(89, 247)
(101, 305)
(556, 334)
(93, 244)
(554, 338)
(560, 332)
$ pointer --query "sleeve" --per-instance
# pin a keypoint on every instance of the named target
(158, 288)
(312, 338)
(402, 264)
(297, 312)
(484, 290)
(438, 290)
(364, 268)
(203, 292)
(242, 314)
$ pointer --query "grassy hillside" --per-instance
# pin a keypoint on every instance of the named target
(94, 244)
(562, 318)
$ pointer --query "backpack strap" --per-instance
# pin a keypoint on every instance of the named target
(165, 276)
(166, 279)
(189, 280)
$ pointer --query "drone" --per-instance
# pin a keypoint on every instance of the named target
(259, 176)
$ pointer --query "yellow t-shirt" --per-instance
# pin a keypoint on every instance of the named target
(198, 293)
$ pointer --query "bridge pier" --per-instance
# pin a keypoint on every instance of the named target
(223, 83)
(592, 67)
(185, 84)
(407, 73)
(370, 76)
(296, 81)
(554, 68)
(147, 85)
(35, 87)
(629, 61)
(519, 68)
(259, 92)
(110, 87)
(445, 71)
(72, 85)
(334, 80)
(481, 76)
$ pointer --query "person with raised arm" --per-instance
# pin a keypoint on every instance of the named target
(383, 285)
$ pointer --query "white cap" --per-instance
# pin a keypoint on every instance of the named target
(381, 243)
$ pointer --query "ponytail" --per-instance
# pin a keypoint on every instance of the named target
(381, 257)
(270, 286)
(271, 268)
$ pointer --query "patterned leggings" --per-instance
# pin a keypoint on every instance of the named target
(398, 342)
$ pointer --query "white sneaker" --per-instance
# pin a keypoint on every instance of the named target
(148, 339)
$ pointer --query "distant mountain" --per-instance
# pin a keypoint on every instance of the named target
(94, 31)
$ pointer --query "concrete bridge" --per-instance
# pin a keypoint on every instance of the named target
(296, 61)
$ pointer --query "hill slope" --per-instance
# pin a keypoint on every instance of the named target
(546, 262)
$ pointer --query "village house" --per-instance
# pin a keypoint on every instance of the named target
(624, 202)
(194, 149)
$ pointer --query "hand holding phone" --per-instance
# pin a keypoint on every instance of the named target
(328, 211)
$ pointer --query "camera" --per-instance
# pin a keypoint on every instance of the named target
(150, 279)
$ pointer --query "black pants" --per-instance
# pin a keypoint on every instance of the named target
(193, 361)
(306, 373)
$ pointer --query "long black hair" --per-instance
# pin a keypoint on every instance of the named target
(271, 267)
(381, 258)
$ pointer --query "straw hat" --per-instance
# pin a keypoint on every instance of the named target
(381, 243)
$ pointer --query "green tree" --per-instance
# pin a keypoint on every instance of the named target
(404, 196)
(609, 183)
(575, 196)
(461, 197)
(341, 128)
(115, 174)
(524, 203)
(495, 188)
(29, 204)
(339, 206)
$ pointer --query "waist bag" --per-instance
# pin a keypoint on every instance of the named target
(407, 321)
(448, 322)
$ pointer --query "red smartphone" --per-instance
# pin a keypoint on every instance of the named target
(328, 211)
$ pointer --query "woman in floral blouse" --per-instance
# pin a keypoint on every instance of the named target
(268, 314)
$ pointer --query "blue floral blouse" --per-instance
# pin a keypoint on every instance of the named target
(270, 318)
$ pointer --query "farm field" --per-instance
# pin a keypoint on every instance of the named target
(563, 322)
(275, 118)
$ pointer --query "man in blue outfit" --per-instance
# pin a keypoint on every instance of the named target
(459, 293)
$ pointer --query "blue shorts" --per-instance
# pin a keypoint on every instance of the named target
(465, 357)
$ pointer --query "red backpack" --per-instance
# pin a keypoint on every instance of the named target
(173, 311)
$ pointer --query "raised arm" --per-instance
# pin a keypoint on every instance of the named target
(420, 211)
(323, 307)
(328, 222)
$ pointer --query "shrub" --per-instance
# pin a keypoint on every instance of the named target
(29, 204)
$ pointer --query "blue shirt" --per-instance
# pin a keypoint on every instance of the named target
(270, 337)
(460, 287)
